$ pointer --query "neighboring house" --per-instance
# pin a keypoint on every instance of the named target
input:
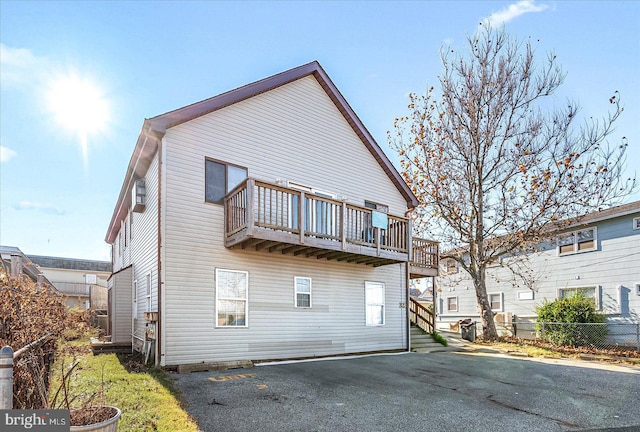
(263, 223)
(15, 263)
(598, 256)
(83, 283)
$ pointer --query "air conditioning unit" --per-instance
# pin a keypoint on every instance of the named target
(138, 196)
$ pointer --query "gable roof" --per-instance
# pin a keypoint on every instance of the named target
(154, 128)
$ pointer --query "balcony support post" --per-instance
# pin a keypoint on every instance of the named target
(343, 225)
(250, 217)
(301, 216)
(410, 238)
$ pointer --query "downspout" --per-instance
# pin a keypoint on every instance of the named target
(408, 306)
(159, 354)
(407, 214)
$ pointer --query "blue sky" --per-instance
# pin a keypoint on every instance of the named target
(141, 59)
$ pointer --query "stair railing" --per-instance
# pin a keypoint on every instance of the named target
(420, 315)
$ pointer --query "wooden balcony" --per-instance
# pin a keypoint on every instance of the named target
(269, 217)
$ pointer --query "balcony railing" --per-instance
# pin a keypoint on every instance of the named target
(263, 215)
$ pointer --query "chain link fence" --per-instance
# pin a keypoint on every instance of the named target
(618, 336)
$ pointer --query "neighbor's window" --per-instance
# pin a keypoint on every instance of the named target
(450, 266)
(577, 241)
(591, 292)
(220, 178)
(303, 292)
(232, 295)
(374, 303)
(496, 301)
(636, 223)
(452, 304)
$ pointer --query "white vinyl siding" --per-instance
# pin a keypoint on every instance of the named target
(120, 294)
(374, 298)
(292, 133)
(302, 292)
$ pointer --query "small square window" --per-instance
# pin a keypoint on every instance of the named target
(636, 223)
(303, 292)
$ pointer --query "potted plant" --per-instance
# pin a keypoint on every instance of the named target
(90, 415)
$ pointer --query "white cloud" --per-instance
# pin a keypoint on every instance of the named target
(19, 65)
(45, 208)
(6, 154)
(513, 11)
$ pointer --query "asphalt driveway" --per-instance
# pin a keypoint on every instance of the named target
(448, 391)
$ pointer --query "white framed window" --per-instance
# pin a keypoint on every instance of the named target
(452, 304)
(148, 291)
(525, 295)
(588, 291)
(577, 241)
(450, 266)
(496, 300)
(302, 292)
(232, 298)
(636, 223)
(374, 303)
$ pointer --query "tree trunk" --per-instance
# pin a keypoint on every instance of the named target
(489, 331)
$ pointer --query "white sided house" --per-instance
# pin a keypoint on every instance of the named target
(598, 255)
(263, 223)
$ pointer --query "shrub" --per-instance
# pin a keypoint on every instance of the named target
(439, 338)
(565, 321)
(29, 313)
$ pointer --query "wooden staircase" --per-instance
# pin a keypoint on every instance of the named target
(422, 325)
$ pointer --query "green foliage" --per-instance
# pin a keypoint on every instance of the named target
(571, 321)
(439, 338)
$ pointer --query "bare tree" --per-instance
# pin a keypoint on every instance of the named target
(495, 164)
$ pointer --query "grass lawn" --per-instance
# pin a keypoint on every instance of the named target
(146, 396)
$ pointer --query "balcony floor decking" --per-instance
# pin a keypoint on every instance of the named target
(269, 240)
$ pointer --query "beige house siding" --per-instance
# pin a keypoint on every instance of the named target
(120, 285)
(293, 133)
(144, 252)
